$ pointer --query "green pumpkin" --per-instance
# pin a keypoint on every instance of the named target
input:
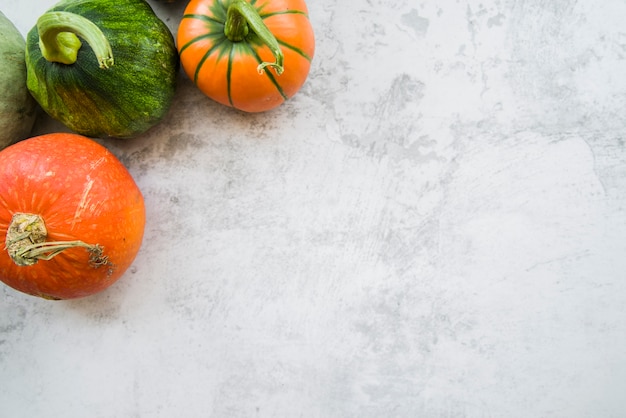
(18, 110)
(104, 68)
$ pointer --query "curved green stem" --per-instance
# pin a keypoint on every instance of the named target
(240, 19)
(58, 38)
(26, 243)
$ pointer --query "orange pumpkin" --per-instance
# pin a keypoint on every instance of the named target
(72, 216)
(248, 55)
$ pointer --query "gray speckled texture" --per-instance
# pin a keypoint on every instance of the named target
(433, 227)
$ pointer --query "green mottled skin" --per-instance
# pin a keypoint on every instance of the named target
(18, 110)
(123, 100)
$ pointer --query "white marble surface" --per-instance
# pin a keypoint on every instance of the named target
(434, 227)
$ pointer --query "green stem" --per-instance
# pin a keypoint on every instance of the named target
(58, 38)
(26, 242)
(242, 17)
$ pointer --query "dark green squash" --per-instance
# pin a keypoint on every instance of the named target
(18, 110)
(107, 68)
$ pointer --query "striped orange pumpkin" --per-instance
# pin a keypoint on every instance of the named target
(250, 55)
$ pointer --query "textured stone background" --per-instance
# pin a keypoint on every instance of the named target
(434, 226)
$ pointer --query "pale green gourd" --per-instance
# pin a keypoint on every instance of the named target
(18, 109)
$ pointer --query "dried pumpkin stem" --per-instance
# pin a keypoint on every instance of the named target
(241, 18)
(58, 38)
(26, 243)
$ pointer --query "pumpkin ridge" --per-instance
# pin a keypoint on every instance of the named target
(282, 12)
(216, 46)
(229, 72)
(295, 49)
(203, 18)
(202, 37)
(268, 73)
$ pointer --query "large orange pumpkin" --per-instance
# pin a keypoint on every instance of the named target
(248, 55)
(72, 216)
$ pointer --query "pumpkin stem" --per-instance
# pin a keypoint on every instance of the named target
(26, 243)
(241, 18)
(58, 38)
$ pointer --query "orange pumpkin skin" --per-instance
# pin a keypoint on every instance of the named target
(82, 192)
(226, 70)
